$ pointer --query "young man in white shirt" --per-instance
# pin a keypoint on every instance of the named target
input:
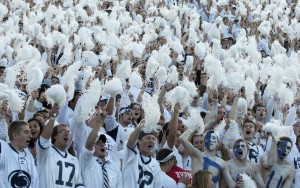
(139, 168)
(255, 151)
(97, 169)
(17, 168)
(56, 167)
(114, 127)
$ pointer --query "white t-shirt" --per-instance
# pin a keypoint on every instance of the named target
(17, 169)
(140, 171)
(57, 168)
(111, 124)
(187, 163)
(168, 182)
(3, 129)
(255, 152)
(81, 134)
(92, 171)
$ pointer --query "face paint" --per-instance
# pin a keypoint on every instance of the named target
(284, 149)
(240, 150)
(210, 164)
(211, 141)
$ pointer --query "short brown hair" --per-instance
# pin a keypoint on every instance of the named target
(54, 132)
(285, 138)
(195, 135)
(15, 127)
(247, 120)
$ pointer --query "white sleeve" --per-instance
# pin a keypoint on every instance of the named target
(270, 108)
(78, 178)
(34, 174)
(120, 180)
(42, 148)
(130, 156)
(80, 134)
(2, 148)
(62, 115)
(110, 123)
(291, 117)
(28, 114)
(85, 158)
(15, 116)
(205, 103)
(130, 170)
(78, 54)
(181, 185)
(158, 180)
(3, 129)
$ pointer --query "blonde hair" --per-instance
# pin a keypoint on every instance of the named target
(15, 128)
(201, 178)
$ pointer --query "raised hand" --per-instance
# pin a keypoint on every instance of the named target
(34, 94)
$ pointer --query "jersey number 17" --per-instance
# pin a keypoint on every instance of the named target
(60, 174)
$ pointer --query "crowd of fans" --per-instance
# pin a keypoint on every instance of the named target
(149, 93)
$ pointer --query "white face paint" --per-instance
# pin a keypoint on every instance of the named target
(284, 148)
(240, 150)
(211, 141)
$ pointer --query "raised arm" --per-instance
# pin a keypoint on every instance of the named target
(224, 100)
(291, 116)
(161, 97)
(97, 123)
(30, 106)
(270, 109)
(110, 106)
(233, 109)
(268, 160)
(191, 150)
(46, 134)
(173, 127)
(292, 113)
(29, 109)
(62, 116)
(211, 117)
(134, 136)
(140, 96)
